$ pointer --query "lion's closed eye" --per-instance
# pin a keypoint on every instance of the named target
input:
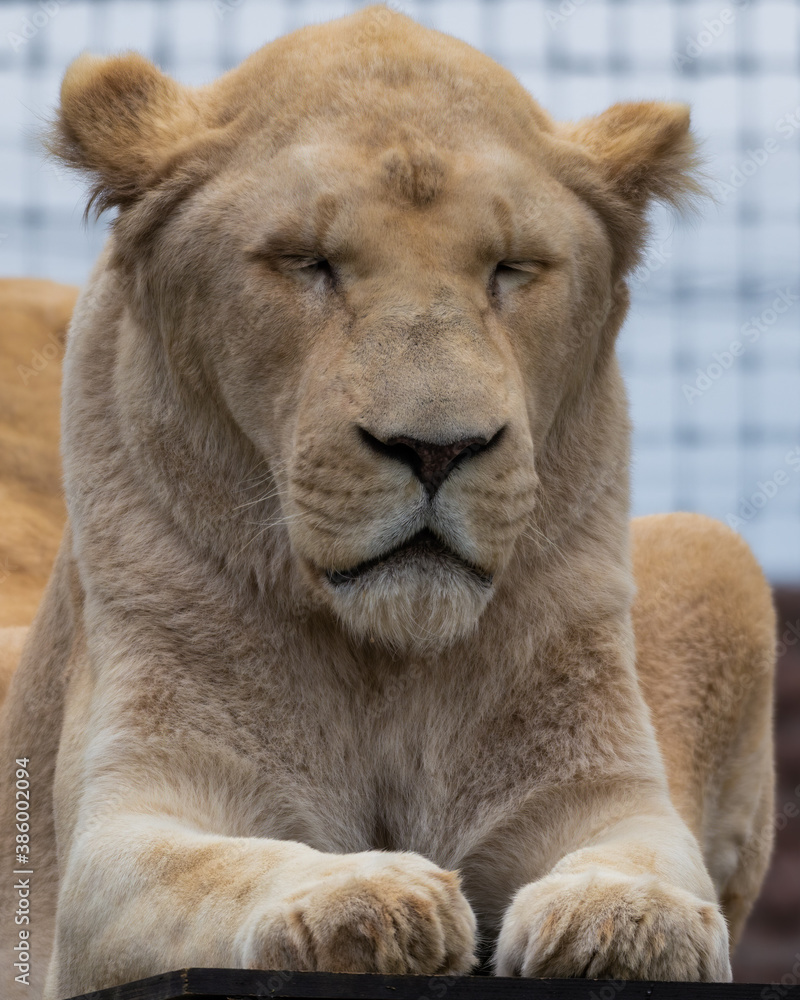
(313, 268)
(303, 265)
(293, 262)
(509, 274)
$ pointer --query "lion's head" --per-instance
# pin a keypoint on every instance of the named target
(367, 267)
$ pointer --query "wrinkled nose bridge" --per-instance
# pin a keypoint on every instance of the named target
(432, 378)
(441, 333)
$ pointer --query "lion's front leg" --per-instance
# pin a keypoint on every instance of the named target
(634, 904)
(146, 894)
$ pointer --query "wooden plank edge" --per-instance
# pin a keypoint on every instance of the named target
(243, 984)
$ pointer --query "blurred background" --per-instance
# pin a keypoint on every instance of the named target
(711, 349)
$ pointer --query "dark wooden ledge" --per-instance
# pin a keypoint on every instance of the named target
(235, 984)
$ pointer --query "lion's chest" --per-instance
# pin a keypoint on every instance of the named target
(445, 789)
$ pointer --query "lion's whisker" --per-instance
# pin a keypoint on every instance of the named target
(254, 480)
(276, 521)
(543, 542)
(266, 496)
(265, 528)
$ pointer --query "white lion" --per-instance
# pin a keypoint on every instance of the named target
(336, 667)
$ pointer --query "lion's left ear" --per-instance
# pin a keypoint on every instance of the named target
(644, 150)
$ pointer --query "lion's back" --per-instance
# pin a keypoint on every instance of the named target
(33, 320)
(705, 638)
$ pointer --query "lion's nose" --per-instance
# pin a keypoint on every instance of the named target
(430, 462)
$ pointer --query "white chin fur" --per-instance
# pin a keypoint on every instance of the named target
(418, 609)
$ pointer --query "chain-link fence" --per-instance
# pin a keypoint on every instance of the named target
(712, 347)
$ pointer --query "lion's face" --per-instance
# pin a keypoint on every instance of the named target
(392, 303)
(396, 356)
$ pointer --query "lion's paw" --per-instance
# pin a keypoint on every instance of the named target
(604, 925)
(370, 912)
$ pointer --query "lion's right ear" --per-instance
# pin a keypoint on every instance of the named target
(122, 122)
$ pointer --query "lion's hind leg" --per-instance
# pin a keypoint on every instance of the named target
(705, 637)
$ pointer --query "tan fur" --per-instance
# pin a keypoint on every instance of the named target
(243, 752)
(703, 600)
(33, 320)
(11, 643)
